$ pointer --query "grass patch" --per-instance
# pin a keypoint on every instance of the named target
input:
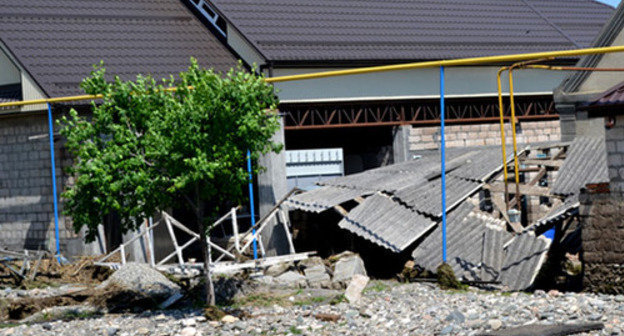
(310, 301)
(260, 300)
(5, 325)
(293, 330)
(337, 299)
(376, 286)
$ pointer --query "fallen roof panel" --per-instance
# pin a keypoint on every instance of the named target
(386, 223)
(586, 162)
(425, 198)
(524, 257)
(321, 199)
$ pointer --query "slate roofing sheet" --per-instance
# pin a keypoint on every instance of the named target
(58, 41)
(425, 198)
(586, 162)
(323, 198)
(467, 246)
(524, 257)
(301, 30)
(386, 223)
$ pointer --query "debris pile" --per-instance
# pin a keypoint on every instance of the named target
(398, 208)
(334, 273)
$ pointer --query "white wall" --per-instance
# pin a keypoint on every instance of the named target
(598, 82)
(418, 83)
(247, 52)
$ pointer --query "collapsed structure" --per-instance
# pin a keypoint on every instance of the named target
(398, 208)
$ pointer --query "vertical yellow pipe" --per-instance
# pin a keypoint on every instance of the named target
(503, 138)
(513, 132)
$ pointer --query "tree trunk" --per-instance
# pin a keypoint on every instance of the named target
(203, 235)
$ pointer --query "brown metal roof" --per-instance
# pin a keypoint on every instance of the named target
(611, 97)
(395, 30)
(58, 41)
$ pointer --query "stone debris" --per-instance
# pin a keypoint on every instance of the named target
(388, 309)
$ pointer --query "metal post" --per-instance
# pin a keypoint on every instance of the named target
(54, 195)
(251, 207)
(443, 163)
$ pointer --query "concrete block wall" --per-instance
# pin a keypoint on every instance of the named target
(483, 134)
(26, 202)
(602, 242)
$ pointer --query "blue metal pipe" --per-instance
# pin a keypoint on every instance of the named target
(55, 197)
(251, 206)
(443, 163)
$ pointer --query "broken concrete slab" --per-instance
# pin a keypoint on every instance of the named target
(347, 267)
(62, 312)
(291, 278)
(316, 274)
(547, 330)
(310, 262)
(353, 294)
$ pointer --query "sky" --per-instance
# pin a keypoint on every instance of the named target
(611, 2)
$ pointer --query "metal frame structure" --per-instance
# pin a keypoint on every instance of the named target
(410, 112)
(418, 65)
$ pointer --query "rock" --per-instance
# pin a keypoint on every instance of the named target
(188, 331)
(446, 330)
(456, 316)
(278, 269)
(291, 278)
(143, 280)
(316, 274)
(355, 288)
(143, 331)
(46, 326)
(112, 331)
(229, 319)
(189, 322)
(347, 267)
(495, 324)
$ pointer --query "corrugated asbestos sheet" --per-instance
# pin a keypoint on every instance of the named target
(384, 30)
(58, 41)
(470, 244)
(524, 257)
(321, 199)
(425, 198)
(386, 223)
(586, 162)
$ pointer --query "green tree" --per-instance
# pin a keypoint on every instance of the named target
(152, 144)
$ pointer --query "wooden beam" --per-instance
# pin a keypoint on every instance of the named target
(524, 189)
(546, 163)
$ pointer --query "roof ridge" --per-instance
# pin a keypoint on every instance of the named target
(552, 24)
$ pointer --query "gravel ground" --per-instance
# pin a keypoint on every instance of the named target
(387, 308)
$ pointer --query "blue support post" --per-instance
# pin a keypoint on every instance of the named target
(54, 195)
(251, 206)
(443, 164)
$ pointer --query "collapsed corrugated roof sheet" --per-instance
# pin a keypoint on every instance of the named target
(470, 244)
(569, 207)
(524, 257)
(321, 199)
(58, 41)
(426, 199)
(586, 162)
(386, 223)
(300, 30)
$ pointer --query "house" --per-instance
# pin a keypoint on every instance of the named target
(378, 118)
(46, 49)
